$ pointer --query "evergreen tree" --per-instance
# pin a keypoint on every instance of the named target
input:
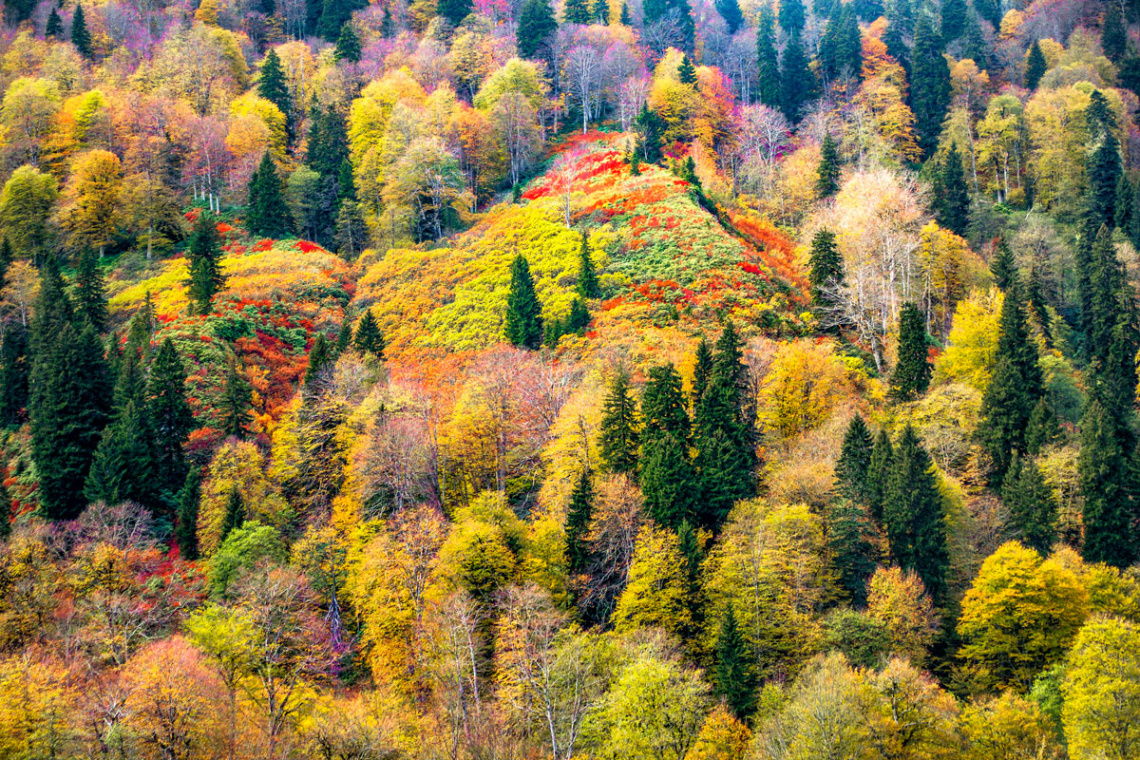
(733, 677)
(792, 17)
(170, 416)
(1124, 204)
(5, 512)
(930, 86)
(274, 87)
(913, 515)
(321, 359)
(122, 468)
(186, 529)
(879, 470)
(797, 83)
(827, 177)
(347, 45)
(80, 36)
(235, 514)
(90, 293)
(668, 479)
(536, 26)
(852, 542)
(1035, 66)
(687, 72)
(369, 339)
(1030, 503)
(729, 10)
(328, 144)
(768, 90)
(6, 257)
(702, 370)
(1113, 35)
(852, 469)
(524, 313)
(618, 435)
(267, 214)
(953, 203)
(576, 12)
(54, 27)
(587, 286)
(650, 126)
(351, 233)
(911, 377)
(14, 368)
(234, 405)
(204, 263)
(1109, 320)
(455, 10)
(626, 19)
(840, 50)
(953, 19)
(900, 25)
(974, 44)
(1104, 165)
(825, 266)
(1004, 266)
(578, 515)
(1107, 485)
(1042, 429)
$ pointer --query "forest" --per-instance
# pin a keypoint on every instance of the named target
(556, 379)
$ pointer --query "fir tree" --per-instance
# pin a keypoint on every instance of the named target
(1124, 204)
(578, 515)
(267, 214)
(170, 416)
(840, 50)
(827, 176)
(14, 367)
(80, 36)
(347, 45)
(729, 10)
(825, 266)
(321, 360)
(687, 72)
(953, 19)
(536, 26)
(1113, 35)
(626, 19)
(90, 293)
(234, 405)
(768, 90)
(576, 12)
(1035, 66)
(369, 339)
(930, 86)
(879, 470)
(953, 203)
(1042, 429)
(650, 127)
(702, 370)
(455, 10)
(1004, 266)
(792, 17)
(1104, 166)
(122, 468)
(186, 529)
(54, 27)
(274, 87)
(1030, 503)
(204, 263)
(797, 83)
(618, 437)
(852, 543)
(733, 677)
(913, 516)
(1107, 485)
(235, 514)
(524, 313)
(974, 44)
(668, 479)
(1108, 317)
(587, 286)
(911, 377)
(328, 144)
(852, 469)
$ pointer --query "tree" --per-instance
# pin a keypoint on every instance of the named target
(668, 479)
(1032, 508)
(899, 601)
(536, 26)
(524, 312)
(93, 208)
(686, 71)
(267, 213)
(25, 207)
(953, 19)
(186, 528)
(656, 595)
(825, 266)
(827, 182)
(587, 286)
(578, 514)
(454, 11)
(14, 369)
(54, 27)
(1101, 711)
(204, 265)
(729, 10)
(768, 88)
(369, 339)
(930, 93)
(170, 416)
(122, 468)
(792, 17)
(347, 45)
(733, 677)
(1035, 66)
(853, 468)
(235, 515)
(650, 127)
(618, 434)
(335, 14)
(273, 86)
(953, 201)
(1113, 35)
(1004, 266)
(1019, 616)
(80, 36)
(234, 405)
(912, 374)
(797, 82)
(913, 514)
(1106, 484)
(90, 293)
(1104, 166)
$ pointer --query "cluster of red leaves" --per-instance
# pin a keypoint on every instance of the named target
(263, 245)
(308, 247)
(588, 172)
(576, 140)
(772, 249)
(665, 291)
(273, 369)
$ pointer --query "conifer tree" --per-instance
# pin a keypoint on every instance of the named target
(204, 263)
(911, 377)
(879, 470)
(186, 529)
(626, 18)
(5, 512)
(618, 436)
(1004, 266)
(351, 233)
(90, 293)
(1113, 35)
(797, 83)
(54, 28)
(455, 10)
(536, 26)
(733, 677)
(1042, 429)
(953, 196)
(825, 266)
(80, 36)
(234, 405)
(122, 468)
(1107, 485)
(267, 213)
(576, 12)
(235, 514)
(729, 10)
(1035, 66)
(900, 25)
(792, 17)
(587, 286)
(6, 257)
(840, 49)
(578, 515)
(1108, 317)
(328, 144)
(827, 178)
(321, 359)
(1104, 164)
(702, 370)
(974, 44)
(768, 90)
(852, 469)
(1125, 200)
(953, 19)
(14, 368)
(687, 72)
(668, 479)
(524, 313)
(369, 339)
(851, 538)
(650, 127)
(913, 515)
(274, 87)
(1030, 503)
(170, 416)
(930, 85)
(347, 45)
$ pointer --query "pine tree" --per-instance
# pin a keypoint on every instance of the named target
(797, 82)
(930, 86)
(879, 470)
(14, 368)
(576, 12)
(234, 405)
(618, 437)
(733, 677)
(827, 177)
(1113, 35)
(587, 286)
(90, 293)
(578, 515)
(729, 10)
(911, 377)
(274, 87)
(953, 19)
(1107, 483)
(913, 515)
(235, 514)
(1035, 66)
(768, 90)
(825, 266)
(80, 36)
(347, 45)
(267, 214)
(204, 263)
(1004, 266)
(687, 72)
(1030, 503)
(186, 529)
(369, 339)
(852, 469)
(953, 203)
(792, 17)
(170, 416)
(668, 479)
(524, 312)
(536, 26)
(54, 28)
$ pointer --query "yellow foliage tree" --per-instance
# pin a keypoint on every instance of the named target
(657, 592)
(237, 466)
(802, 387)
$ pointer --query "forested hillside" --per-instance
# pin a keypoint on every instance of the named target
(614, 379)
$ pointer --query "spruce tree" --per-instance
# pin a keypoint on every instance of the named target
(347, 45)
(170, 416)
(626, 18)
(913, 515)
(267, 213)
(852, 469)
(578, 515)
(930, 86)
(14, 368)
(1042, 429)
(321, 359)
(587, 286)
(953, 19)
(328, 144)
(686, 71)
(274, 87)
(54, 28)
(1004, 266)
(1124, 203)
(524, 312)
(825, 266)
(1104, 166)
(369, 339)
(1107, 485)
(768, 90)
(792, 17)
(204, 264)
(618, 436)
(1035, 66)
(1030, 504)
(702, 370)
(455, 10)
(122, 468)
(90, 293)
(1113, 34)
(729, 10)
(733, 677)
(235, 514)
(668, 479)
(974, 44)
(827, 176)
(186, 529)
(851, 539)
(234, 405)
(80, 36)
(576, 12)
(536, 26)
(879, 470)
(912, 373)
(649, 126)
(953, 204)
(797, 82)
(1109, 319)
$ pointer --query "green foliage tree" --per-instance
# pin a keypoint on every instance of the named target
(930, 85)
(792, 17)
(536, 26)
(204, 264)
(650, 127)
(618, 435)
(347, 45)
(853, 468)
(953, 201)
(170, 416)
(687, 72)
(267, 214)
(729, 10)
(912, 374)
(733, 677)
(274, 87)
(186, 527)
(1113, 34)
(827, 180)
(235, 514)
(851, 539)
(1101, 710)
(913, 514)
(54, 27)
(587, 286)
(797, 82)
(14, 370)
(122, 468)
(578, 515)
(1035, 66)
(1031, 505)
(369, 339)
(768, 90)
(668, 478)
(234, 405)
(953, 19)
(1004, 266)
(90, 292)
(1104, 165)
(1107, 485)
(576, 12)
(524, 312)
(242, 549)
(335, 15)
(80, 36)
